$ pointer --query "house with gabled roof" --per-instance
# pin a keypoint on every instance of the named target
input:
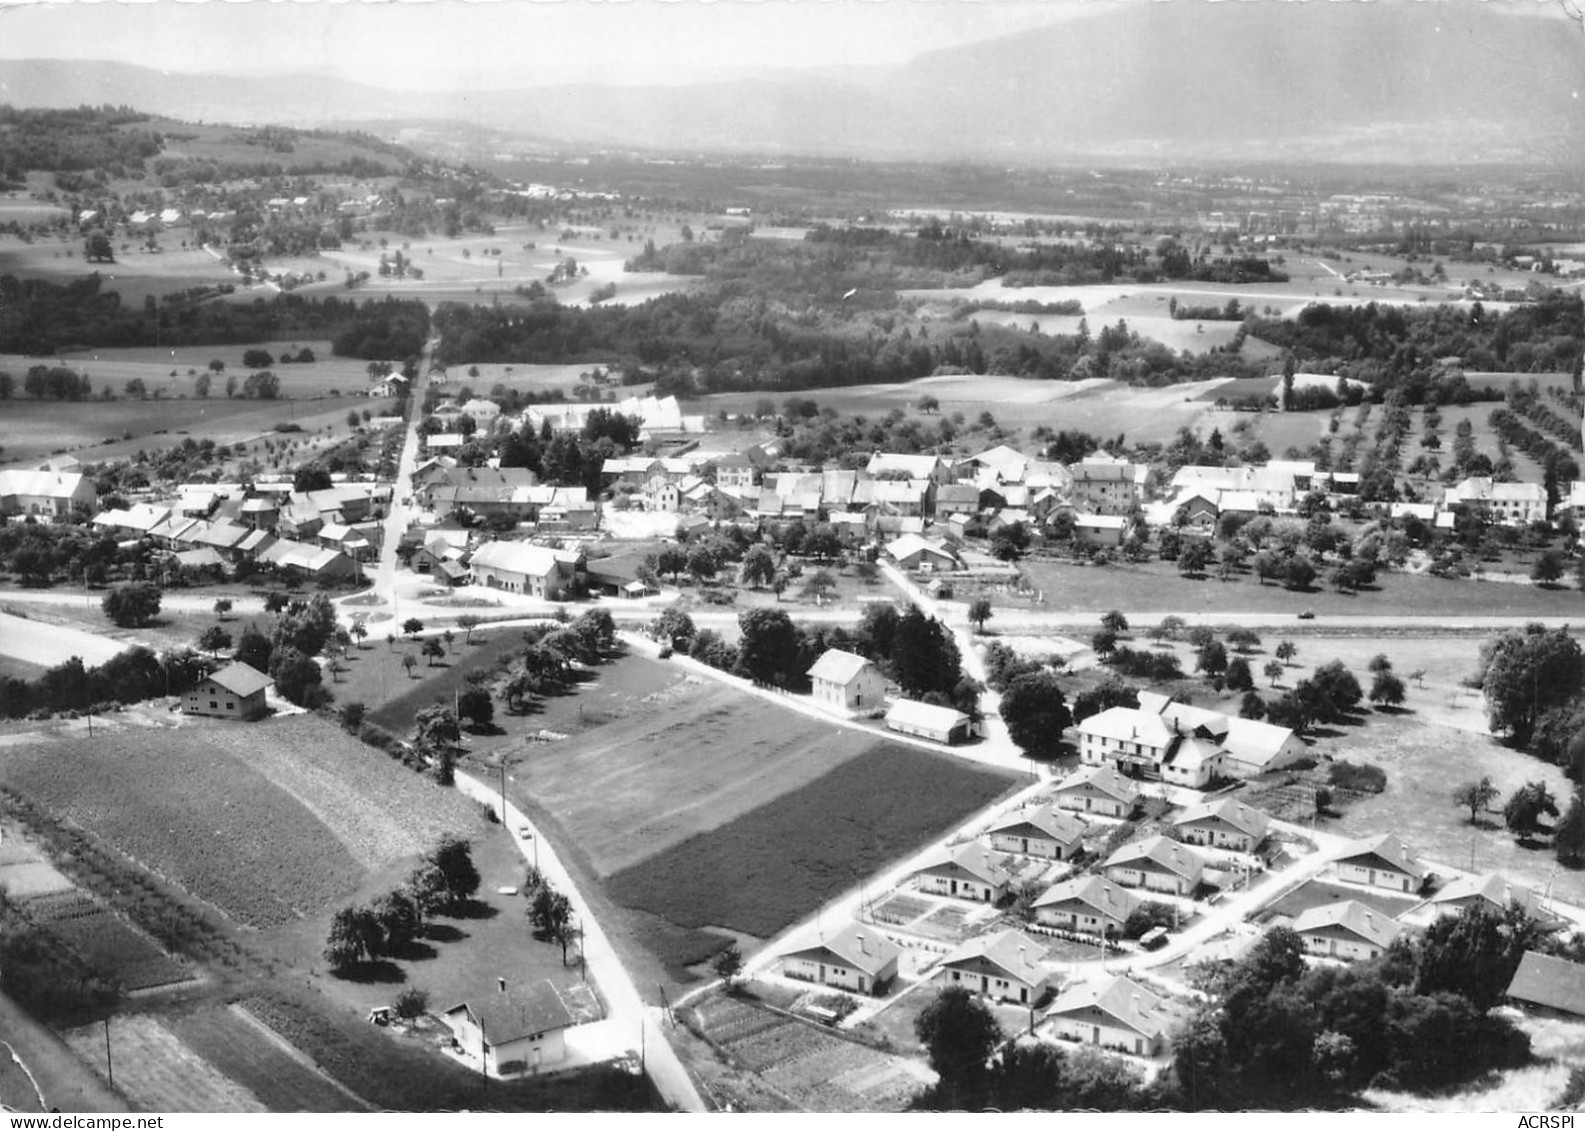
(736, 472)
(46, 493)
(520, 567)
(1224, 823)
(1184, 744)
(236, 691)
(1494, 892)
(847, 684)
(857, 958)
(1348, 930)
(1007, 965)
(1039, 830)
(1098, 789)
(893, 464)
(966, 871)
(1549, 986)
(1090, 905)
(911, 552)
(515, 1029)
(1158, 864)
(1381, 862)
(1115, 1013)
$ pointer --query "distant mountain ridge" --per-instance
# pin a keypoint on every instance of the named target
(1438, 83)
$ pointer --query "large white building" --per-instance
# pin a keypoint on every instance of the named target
(1182, 744)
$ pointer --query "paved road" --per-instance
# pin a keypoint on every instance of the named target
(51, 644)
(626, 1012)
(400, 514)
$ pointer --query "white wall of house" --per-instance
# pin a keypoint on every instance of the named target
(210, 699)
(1389, 878)
(1081, 920)
(987, 984)
(1217, 836)
(1087, 800)
(1101, 1031)
(528, 1054)
(1333, 943)
(827, 974)
(1150, 879)
(961, 887)
(1028, 845)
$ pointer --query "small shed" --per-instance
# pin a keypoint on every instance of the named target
(939, 724)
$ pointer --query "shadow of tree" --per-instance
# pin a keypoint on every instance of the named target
(378, 972)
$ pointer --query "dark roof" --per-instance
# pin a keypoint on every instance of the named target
(519, 1011)
(1552, 982)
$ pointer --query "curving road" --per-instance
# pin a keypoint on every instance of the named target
(626, 1012)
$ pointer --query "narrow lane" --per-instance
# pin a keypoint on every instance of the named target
(626, 1010)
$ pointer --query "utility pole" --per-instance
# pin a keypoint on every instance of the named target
(110, 1068)
(503, 789)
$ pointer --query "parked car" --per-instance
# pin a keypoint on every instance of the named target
(1308, 614)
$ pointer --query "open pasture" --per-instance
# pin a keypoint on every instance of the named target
(135, 274)
(694, 757)
(1154, 587)
(348, 377)
(98, 430)
(778, 862)
(1425, 761)
(263, 851)
(1097, 406)
(471, 266)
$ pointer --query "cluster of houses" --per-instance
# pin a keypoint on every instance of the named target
(320, 534)
(1376, 889)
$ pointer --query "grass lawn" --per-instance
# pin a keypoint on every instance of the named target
(762, 871)
(1425, 762)
(272, 821)
(375, 675)
(459, 956)
(1155, 587)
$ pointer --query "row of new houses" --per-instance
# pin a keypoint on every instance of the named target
(1115, 1012)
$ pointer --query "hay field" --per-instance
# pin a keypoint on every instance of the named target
(1098, 406)
(272, 821)
(694, 756)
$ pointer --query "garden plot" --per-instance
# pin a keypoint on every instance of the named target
(816, 1069)
(107, 944)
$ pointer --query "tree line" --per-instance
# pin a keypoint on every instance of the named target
(39, 317)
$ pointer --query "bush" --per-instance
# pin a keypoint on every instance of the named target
(412, 1003)
(1361, 778)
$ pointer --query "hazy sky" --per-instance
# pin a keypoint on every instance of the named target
(510, 43)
